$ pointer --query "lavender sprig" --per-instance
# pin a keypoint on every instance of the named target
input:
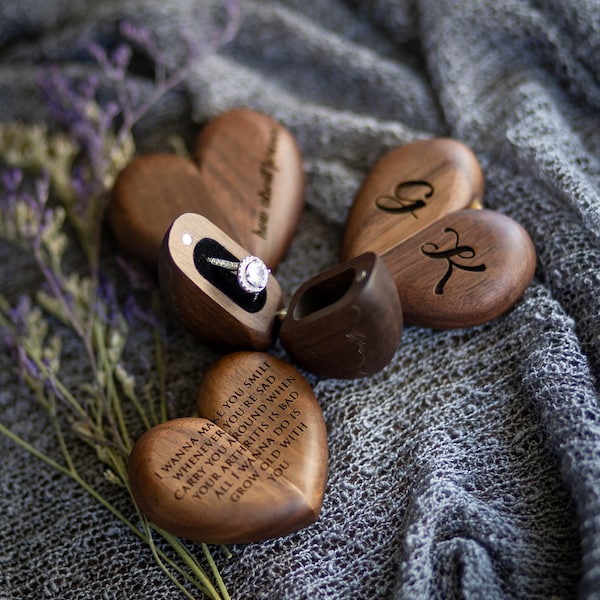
(59, 179)
(196, 47)
(96, 410)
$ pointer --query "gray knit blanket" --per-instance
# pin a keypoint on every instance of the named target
(470, 466)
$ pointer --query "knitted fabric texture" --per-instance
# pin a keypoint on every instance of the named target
(470, 466)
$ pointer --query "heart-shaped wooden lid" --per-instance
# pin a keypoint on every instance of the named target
(409, 188)
(465, 269)
(149, 194)
(453, 267)
(252, 467)
(249, 181)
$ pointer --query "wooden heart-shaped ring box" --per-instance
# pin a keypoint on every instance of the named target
(453, 266)
(251, 465)
(206, 298)
(346, 322)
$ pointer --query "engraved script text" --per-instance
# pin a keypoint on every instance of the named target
(267, 173)
(255, 424)
(408, 197)
(463, 252)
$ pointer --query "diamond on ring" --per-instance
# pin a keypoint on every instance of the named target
(252, 274)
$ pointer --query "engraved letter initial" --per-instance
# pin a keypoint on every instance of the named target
(408, 197)
(464, 252)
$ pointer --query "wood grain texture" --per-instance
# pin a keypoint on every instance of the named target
(409, 188)
(207, 311)
(149, 194)
(253, 168)
(345, 322)
(252, 466)
(282, 425)
(465, 269)
(248, 180)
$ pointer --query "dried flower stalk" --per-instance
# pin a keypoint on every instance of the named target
(58, 181)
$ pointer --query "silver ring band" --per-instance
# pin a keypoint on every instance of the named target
(224, 264)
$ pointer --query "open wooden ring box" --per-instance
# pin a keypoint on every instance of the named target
(345, 322)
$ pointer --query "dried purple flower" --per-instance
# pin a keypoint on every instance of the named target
(88, 87)
(59, 96)
(12, 179)
(133, 312)
(19, 314)
(121, 57)
(42, 188)
(82, 186)
(107, 307)
(114, 66)
(82, 173)
(27, 367)
(140, 36)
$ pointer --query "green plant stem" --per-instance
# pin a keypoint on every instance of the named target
(164, 567)
(65, 393)
(146, 420)
(110, 395)
(32, 450)
(215, 572)
(51, 277)
(183, 553)
(202, 583)
(61, 439)
(117, 464)
(200, 577)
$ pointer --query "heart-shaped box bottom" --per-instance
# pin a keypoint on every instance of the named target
(255, 469)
